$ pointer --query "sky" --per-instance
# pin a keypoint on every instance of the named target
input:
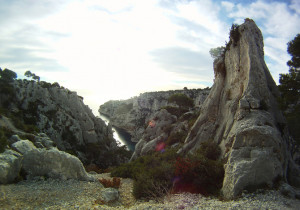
(116, 49)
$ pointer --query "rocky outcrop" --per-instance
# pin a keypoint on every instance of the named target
(54, 164)
(10, 166)
(62, 115)
(241, 115)
(155, 134)
(25, 159)
(133, 114)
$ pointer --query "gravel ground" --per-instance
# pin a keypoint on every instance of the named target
(71, 194)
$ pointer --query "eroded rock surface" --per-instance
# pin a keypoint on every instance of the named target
(132, 114)
(10, 165)
(64, 118)
(241, 115)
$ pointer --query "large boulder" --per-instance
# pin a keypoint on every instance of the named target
(241, 115)
(10, 166)
(23, 146)
(54, 164)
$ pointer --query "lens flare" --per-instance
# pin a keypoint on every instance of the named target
(152, 123)
(160, 147)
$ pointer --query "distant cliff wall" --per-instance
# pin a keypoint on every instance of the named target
(133, 114)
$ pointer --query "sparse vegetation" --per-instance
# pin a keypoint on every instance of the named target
(178, 137)
(124, 108)
(200, 172)
(290, 89)
(234, 34)
(159, 173)
(181, 100)
(177, 111)
(217, 52)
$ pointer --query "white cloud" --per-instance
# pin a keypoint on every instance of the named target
(295, 5)
(227, 5)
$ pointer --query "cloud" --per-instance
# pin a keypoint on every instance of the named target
(182, 61)
(227, 5)
(295, 5)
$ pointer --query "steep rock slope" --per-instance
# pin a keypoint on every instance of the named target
(241, 115)
(133, 114)
(62, 115)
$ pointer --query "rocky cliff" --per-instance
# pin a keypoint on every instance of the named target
(62, 115)
(241, 115)
(132, 115)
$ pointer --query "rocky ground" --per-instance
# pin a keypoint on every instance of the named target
(71, 194)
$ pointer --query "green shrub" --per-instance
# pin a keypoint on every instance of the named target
(176, 138)
(181, 100)
(209, 150)
(124, 108)
(235, 34)
(152, 174)
(156, 174)
(200, 172)
(177, 111)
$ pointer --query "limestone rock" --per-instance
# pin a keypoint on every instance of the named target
(10, 166)
(110, 195)
(43, 141)
(131, 115)
(156, 132)
(241, 115)
(63, 117)
(54, 164)
(23, 146)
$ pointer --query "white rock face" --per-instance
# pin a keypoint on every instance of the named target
(132, 114)
(10, 166)
(241, 115)
(23, 146)
(62, 115)
(155, 133)
(54, 164)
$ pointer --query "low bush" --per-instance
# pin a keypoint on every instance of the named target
(177, 137)
(200, 172)
(177, 111)
(162, 172)
(152, 174)
(209, 150)
(181, 100)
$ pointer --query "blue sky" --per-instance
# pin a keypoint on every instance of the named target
(117, 49)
